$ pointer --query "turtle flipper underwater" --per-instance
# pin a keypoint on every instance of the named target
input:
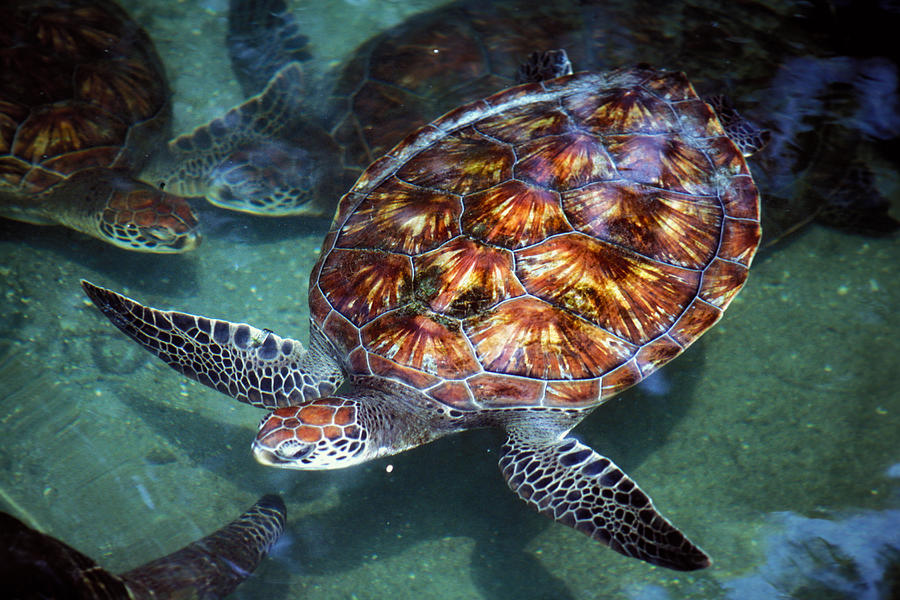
(452, 295)
(85, 113)
(36, 565)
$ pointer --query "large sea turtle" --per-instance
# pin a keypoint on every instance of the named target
(36, 565)
(823, 113)
(513, 264)
(84, 107)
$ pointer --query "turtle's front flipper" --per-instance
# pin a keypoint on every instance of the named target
(262, 157)
(214, 566)
(250, 365)
(263, 36)
(569, 482)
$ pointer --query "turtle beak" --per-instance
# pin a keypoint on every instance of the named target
(267, 457)
(272, 458)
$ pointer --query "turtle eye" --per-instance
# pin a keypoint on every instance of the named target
(294, 450)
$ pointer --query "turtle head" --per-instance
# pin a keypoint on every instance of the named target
(325, 434)
(128, 213)
(145, 219)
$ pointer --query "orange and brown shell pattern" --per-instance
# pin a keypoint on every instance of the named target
(76, 76)
(82, 91)
(548, 246)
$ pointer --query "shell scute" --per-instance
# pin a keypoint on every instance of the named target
(461, 163)
(620, 378)
(502, 391)
(522, 124)
(722, 280)
(699, 120)
(665, 161)
(698, 317)
(740, 198)
(513, 214)
(420, 342)
(567, 394)
(566, 161)
(657, 353)
(125, 88)
(629, 110)
(455, 394)
(401, 217)
(740, 239)
(676, 229)
(389, 369)
(362, 284)
(633, 298)
(64, 127)
(532, 338)
(464, 277)
(344, 333)
(672, 86)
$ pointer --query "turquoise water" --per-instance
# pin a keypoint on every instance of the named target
(772, 442)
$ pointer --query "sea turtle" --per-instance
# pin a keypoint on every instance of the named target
(84, 106)
(513, 264)
(36, 565)
(820, 111)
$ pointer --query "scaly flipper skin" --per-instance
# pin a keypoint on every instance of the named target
(248, 364)
(249, 160)
(35, 565)
(573, 484)
(263, 36)
(218, 563)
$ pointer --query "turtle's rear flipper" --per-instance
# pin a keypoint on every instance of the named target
(749, 138)
(246, 363)
(542, 66)
(569, 482)
(215, 565)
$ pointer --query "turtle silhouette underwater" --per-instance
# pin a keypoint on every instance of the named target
(84, 114)
(513, 264)
(817, 167)
(36, 565)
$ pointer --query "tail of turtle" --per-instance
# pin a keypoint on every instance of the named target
(573, 484)
(214, 566)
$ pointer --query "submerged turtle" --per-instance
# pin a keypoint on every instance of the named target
(35, 565)
(514, 264)
(84, 105)
(817, 167)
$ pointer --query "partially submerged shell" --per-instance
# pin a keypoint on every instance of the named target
(79, 79)
(550, 245)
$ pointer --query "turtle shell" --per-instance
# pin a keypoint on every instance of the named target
(78, 78)
(550, 245)
(438, 60)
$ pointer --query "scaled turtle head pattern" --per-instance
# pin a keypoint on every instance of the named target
(514, 264)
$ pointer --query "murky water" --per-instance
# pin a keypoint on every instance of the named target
(772, 442)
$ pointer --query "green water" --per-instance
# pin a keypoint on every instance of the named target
(792, 403)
